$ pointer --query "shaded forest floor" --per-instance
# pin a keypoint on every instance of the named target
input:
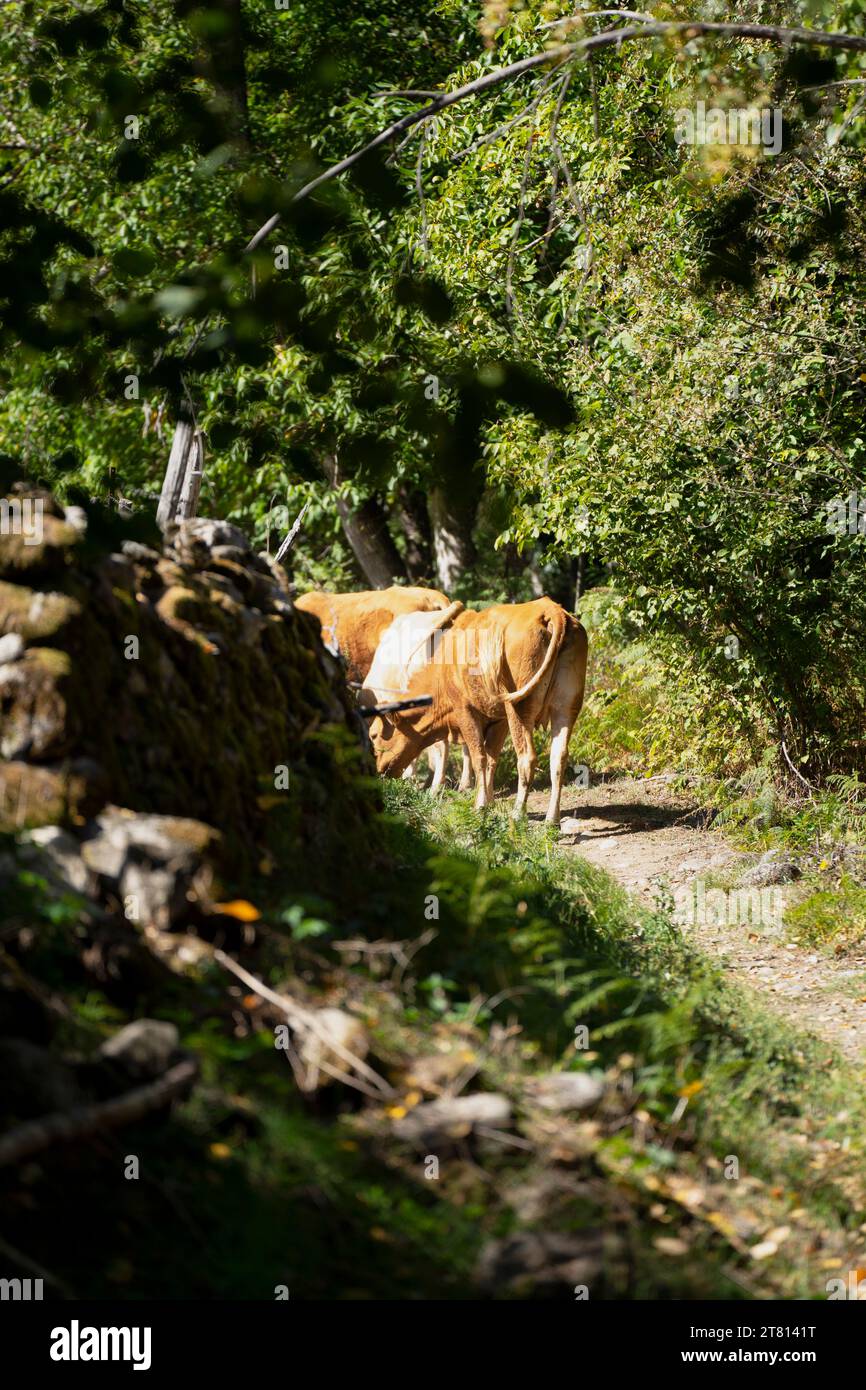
(705, 1150)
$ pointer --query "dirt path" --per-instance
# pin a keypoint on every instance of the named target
(646, 836)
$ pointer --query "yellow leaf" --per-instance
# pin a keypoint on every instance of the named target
(240, 909)
(721, 1223)
(219, 1150)
(691, 1090)
(412, 1098)
(396, 1112)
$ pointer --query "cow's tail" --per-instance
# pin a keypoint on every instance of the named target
(557, 622)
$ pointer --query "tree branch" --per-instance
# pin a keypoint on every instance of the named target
(66, 1125)
(686, 29)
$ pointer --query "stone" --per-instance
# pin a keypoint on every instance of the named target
(208, 532)
(30, 796)
(19, 556)
(140, 554)
(570, 825)
(566, 1090)
(33, 710)
(11, 647)
(59, 854)
(337, 1028)
(773, 867)
(175, 842)
(144, 1049)
(76, 517)
(184, 605)
(234, 554)
(34, 615)
(455, 1117)
(157, 897)
(539, 1261)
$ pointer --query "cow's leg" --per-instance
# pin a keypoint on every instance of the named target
(465, 772)
(437, 754)
(473, 737)
(409, 772)
(524, 747)
(494, 741)
(561, 733)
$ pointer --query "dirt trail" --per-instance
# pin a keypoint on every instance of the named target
(645, 836)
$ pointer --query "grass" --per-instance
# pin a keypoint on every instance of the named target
(784, 1106)
(517, 949)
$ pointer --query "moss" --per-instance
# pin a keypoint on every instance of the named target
(35, 615)
(196, 726)
(19, 555)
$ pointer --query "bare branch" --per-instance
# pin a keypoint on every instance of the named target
(293, 531)
(561, 53)
(66, 1125)
(305, 1019)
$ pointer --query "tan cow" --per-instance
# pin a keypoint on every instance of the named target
(403, 650)
(352, 624)
(508, 669)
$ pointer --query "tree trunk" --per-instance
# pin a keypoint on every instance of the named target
(411, 513)
(451, 518)
(366, 530)
(225, 66)
(579, 578)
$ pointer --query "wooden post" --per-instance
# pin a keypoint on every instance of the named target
(188, 504)
(182, 482)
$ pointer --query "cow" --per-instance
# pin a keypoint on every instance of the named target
(510, 668)
(352, 625)
(392, 668)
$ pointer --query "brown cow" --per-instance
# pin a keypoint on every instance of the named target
(508, 669)
(354, 623)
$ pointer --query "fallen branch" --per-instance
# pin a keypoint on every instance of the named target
(305, 1019)
(808, 785)
(66, 1126)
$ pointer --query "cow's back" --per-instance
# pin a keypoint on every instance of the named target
(355, 622)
